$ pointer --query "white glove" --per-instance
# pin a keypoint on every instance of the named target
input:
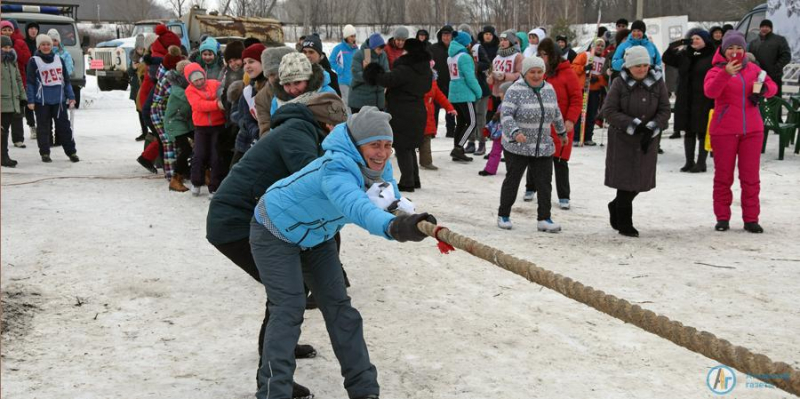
(406, 206)
(382, 195)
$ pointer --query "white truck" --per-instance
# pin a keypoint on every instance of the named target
(110, 61)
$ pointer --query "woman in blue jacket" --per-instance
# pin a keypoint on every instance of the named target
(292, 235)
(49, 93)
(637, 37)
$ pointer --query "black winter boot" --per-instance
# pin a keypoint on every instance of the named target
(612, 213)
(700, 165)
(625, 220)
(688, 148)
(304, 352)
(458, 155)
(753, 227)
(146, 164)
(722, 225)
(300, 392)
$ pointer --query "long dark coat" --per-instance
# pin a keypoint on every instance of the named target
(691, 104)
(629, 103)
(407, 83)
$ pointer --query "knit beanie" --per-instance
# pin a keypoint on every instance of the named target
(271, 59)
(210, 44)
(702, 33)
(233, 51)
(172, 58)
(41, 38)
(401, 33)
(636, 55)
(250, 41)
(375, 41)
(180, 66)
(640, 25)
(466, 29)
(413, 46)
(463, 39)
(765, 22)
(54, 35)
(164, 38)
(6, 24)
(14, 23)
(313, 42)
(732, 37)
(294, 67)
(326, 107)
(533, 62)
(509, 35)
(349, 30)
(6, 41)
(254, 51)
(370, 124)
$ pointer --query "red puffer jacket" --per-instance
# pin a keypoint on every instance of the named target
(733, 112)
(23, 54)
(569, 94)
(433, 97)
(205, 110)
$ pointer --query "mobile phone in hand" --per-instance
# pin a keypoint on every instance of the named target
(738, 57)
(686, 42)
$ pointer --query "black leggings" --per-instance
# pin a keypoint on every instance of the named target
(183, 151)
(465, 123)
(625, 197)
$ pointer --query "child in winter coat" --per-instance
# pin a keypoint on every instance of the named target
(496, 134)
(13, 95)
(209, 58)
(59, 49)
(432, 98)
(50, 93)
(178, 126)
(737, 130)
(464, 92)
(10, 29)
(209, 123)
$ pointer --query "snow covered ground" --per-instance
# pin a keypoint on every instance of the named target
(110, 288)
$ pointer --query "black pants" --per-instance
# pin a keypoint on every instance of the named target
(183, 152)
(592, 107)
(449, 121)
(142, 123)
(409, 169)
(465, 123)
(692, 139)
(29, 117)
(561, 168)
(13, 122)
(540, 168)
(47, 115)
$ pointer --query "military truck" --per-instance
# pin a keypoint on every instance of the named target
(61, 17)
(112, 71)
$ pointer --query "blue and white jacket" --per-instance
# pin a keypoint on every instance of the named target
(312, 205)
(342, 57)
(618, 60)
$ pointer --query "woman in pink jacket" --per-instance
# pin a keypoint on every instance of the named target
(736, 129)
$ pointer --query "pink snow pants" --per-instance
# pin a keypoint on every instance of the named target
(494, 157)
(727, 148)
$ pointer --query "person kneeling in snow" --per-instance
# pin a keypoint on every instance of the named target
(292, 236)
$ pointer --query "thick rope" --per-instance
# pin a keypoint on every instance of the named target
(702, 342)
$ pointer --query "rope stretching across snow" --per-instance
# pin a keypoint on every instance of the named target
(702, 342)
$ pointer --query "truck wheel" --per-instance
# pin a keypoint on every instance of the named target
(77, 91)
(105, 84)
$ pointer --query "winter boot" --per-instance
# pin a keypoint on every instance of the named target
(470, 149)
(20, 144)
(485, 173)
(300, 392)
(688, 148)
(625, 221)
(74, 158)
(32, 129)
(8, 162)
(481, 149)
(504, 223)
(612, 213)
(548, 225)
(46, 158)
(722, 225)
(528, 197)
(304, 352)
(146, 164)
(753, 227)
(675, 135)
(563, 204)
(459, 155)
(700, 165)
(429, 167)
(141, 137)
(176, 184)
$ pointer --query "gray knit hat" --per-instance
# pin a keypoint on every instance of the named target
(139, 41)
(271, 58)
(53, 33)
(466, 29)
(401, 33)
(510, 36)
(6, 41)
(370, 124)
(636, 55)
(294, 67)
(533, 62)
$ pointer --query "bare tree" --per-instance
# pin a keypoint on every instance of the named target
(178, 6)
(137, 10)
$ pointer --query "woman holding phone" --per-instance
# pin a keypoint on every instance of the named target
(737, 130)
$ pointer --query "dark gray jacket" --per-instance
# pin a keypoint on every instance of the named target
(772, 53)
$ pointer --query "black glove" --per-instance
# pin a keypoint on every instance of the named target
(371, 73)
(647, 137)
(404, 227)
(588, 68)
(755, 98)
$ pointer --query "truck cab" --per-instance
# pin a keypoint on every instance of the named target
(60, 17)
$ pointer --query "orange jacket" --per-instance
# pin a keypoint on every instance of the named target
(205, 110)
(435, 95)
(578, 65)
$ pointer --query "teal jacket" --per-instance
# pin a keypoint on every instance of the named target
(464, 88)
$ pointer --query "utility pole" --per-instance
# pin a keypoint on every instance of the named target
(640, 9)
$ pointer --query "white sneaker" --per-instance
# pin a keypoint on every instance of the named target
(33, 132)
(195, 190)
(563, 203)
(528, 197)
(504, 223)
(549, 226)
